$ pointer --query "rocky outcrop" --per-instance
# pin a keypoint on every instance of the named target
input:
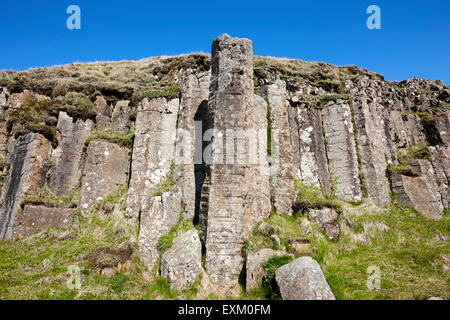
(153, 149)
(282, 160)
(415, 192)
(327, 220)
(232, 196)
(370, 142)
(441, 162)
(103, 111)
(35, 218)
(120, 118)
(28, 167)
(255, 271)
(67, 157)
(106, 169)
(312, 164)
(189, 167)
(341, 150)
(182, 263)
(158, 216)
(397, 130)
(302, 279)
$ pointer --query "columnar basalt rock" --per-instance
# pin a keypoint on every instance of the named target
(153, 149)
(427, 172)
(414, 129)
(441, 162)
(4, 94)
(34, 218)
(105, 170)
(397, 130)
(370, 144)
(341, 150)
(189, 146)
(67, 157)
(233, 197)
(120, 118)
(415, 192)
(312, 165)
(182, 263)
(282, 160)
(158, 216)
(28, 167)
(104, 111)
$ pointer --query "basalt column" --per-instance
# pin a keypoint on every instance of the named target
(189, 169)
(29, 162)
(236, 195)
(282, 160)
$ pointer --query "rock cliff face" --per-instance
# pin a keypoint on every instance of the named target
(220, 141)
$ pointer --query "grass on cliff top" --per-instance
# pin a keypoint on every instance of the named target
(122, 139)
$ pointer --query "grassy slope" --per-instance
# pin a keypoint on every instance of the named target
(411, 251)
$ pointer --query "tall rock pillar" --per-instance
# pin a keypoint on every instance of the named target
(237, 196)
(282, 159)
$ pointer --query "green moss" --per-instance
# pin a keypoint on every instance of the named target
(271, 266)
(77, 105)
(35, 116)
(402, 169)
(124, 140)
(414, 152)
(167, 184)
(45, 197)
(308, 197)
(165, 241)
(171, 92)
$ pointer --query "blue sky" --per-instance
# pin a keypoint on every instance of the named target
(414, 39)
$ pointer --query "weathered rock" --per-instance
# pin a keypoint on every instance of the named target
(28, 167)
(103, 117)
(120, 119)
(390, 148)
(3, 136)
(255, 266)
(327, 220)
(106, 169)
(182, 263)
(35, 218)
(189, 169)
(427, 172)
(397, 130)
(302, 279)
(282, 160)
(341, 150)
(441, 163)
(415, 192)
(312, 164)
(67, 157)
(414, 129)
(232, 197)
(370, 144)
(158, 216)
(153, 149)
